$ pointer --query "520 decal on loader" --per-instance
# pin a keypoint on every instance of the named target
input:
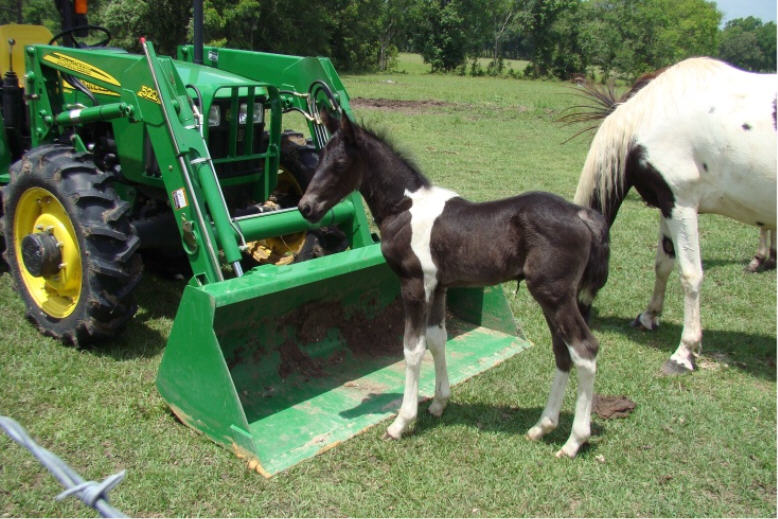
(108, 158)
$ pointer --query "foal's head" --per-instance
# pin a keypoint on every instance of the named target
(340, 170)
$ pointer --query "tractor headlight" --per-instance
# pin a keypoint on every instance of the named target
(215, 115)
(257, 115)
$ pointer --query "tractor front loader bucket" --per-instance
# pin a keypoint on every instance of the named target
(287, 361)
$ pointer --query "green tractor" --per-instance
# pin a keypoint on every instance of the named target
(287, 338)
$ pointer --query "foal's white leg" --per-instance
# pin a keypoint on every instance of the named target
(413, 350)
(665, 260)
(436, 342)
(683, 228)
(586, 369)
(414, 347)
(550, 416)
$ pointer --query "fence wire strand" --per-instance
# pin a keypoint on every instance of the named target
(90, 492)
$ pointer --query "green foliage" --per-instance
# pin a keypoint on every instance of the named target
(164, 22)
(749, 44)
(639, 36)
(39, 12)
(548, 25)
(441, 38)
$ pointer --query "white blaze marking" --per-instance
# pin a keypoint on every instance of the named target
(426, 205)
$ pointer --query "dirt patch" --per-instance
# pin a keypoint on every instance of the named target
(380, 335)
(364, 337)
(612, 406)
(293, 360)
(404, 105)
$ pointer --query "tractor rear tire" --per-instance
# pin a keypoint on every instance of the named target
(70, 247)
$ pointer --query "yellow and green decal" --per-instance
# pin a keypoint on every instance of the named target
(96, 89)
(148, 93)
(80, 67)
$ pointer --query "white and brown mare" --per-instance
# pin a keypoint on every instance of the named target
(433, 239)
(697, 137)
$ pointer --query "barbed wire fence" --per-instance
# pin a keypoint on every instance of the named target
(90, 492)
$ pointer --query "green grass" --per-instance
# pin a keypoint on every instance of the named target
(698, 445)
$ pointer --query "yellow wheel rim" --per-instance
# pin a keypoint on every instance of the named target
(290, 242)
(39, 211)
(281, 249)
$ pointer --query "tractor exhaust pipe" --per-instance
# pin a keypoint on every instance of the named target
(197, 30)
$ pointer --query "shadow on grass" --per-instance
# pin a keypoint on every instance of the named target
(749, 352)
(711, 263)
(147, 332)
(503, 420)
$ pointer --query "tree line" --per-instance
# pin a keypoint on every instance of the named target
(559, 38)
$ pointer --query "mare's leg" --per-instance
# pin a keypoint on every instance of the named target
(683, 229)
(436, 342)
(665, 260)
(567, 323)
(414, 346)
(549, 419)
(764, 258)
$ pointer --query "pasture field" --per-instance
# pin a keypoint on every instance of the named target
(698, 445)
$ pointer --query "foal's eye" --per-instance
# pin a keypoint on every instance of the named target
(341, 165)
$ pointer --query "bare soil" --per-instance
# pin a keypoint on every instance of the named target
(409, 106)
(380, 335)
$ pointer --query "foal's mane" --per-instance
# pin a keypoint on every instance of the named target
(382, 137)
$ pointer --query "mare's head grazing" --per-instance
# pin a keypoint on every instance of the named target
(340, 170)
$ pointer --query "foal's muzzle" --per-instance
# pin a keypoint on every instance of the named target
(310, 210)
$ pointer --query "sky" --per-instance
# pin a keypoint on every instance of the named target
(763, 9)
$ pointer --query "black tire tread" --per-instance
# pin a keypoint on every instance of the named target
(111, 267)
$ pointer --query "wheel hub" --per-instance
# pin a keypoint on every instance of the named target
(41, 254)
(47, 252)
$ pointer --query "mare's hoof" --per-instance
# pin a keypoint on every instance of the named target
(759, 265)
(641, 325)
(672, 368)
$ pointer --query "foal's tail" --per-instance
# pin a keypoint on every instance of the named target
(596, 272)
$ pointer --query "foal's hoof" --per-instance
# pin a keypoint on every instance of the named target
(562, 453)
(389, 437)
(436, 408)
(672, 368)
(535, 433)
(641, 323)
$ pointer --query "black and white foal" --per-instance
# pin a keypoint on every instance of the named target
(433, 239)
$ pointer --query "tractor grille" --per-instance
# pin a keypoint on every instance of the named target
(236, 132)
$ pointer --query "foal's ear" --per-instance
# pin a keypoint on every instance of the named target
(347, 128)
(331, 123)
